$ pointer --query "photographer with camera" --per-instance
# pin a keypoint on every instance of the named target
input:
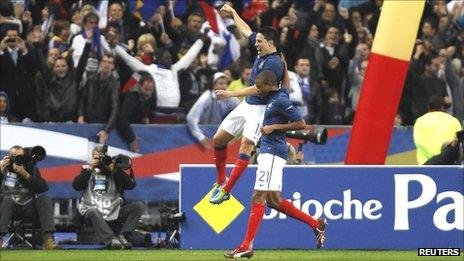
(103, 182)
(21, 184)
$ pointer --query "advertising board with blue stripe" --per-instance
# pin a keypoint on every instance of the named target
(367, 207)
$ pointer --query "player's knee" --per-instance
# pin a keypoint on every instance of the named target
(272, 203)
(246, 147)
(219, 140)
(259, 197)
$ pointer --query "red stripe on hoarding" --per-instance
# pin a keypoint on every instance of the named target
(377, 107)
(151, 164)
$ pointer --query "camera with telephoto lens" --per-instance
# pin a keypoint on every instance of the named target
(104, 162)
(30, 158)
(316, 136)
(123, 161)
(170, 222)
(171, 217)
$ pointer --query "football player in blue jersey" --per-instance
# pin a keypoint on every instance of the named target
(280, 116)
(246, 119)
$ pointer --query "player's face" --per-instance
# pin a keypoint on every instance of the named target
(263, 88)
(262, 45)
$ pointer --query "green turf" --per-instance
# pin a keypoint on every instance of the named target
(208, 255)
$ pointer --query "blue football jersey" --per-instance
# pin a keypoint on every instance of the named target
(279, 110)
(271, 62)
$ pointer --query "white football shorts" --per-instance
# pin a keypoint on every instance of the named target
(269, 173)
(245, 120)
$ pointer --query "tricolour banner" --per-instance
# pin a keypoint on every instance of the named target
(367, 207)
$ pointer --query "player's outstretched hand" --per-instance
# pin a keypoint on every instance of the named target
(222, 94)
(267, 129)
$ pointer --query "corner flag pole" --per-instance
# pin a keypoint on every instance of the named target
(380, 95)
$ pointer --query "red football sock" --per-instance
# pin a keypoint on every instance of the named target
(240, 166)
(220, 157)
(288, 209)
(256, 215)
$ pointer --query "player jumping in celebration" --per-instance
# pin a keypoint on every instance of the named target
(280, 116)
(246, 119)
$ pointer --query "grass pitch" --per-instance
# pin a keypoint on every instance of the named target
(209, 255)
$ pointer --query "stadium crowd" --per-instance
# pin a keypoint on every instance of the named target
(90, 61)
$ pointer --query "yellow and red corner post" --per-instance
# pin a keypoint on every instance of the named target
(381, 92)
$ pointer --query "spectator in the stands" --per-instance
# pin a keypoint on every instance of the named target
(429, 33)
(356, 72)
(193, 81)
(57, 93)
(332, 58)
(90, 33)
(5, 115)
(426, 84)
(190, 32)
(52, 54)
(333, 112)
(455, 83)
(135, 108)
(61, 37)
(15, 70)
(242, 81)
(99, 98)
(208, 109)
(127, 24)
(146, 45)
(310, 89)
(164, 72)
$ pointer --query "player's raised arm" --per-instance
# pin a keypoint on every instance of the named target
(294, 125)
(224, 94)
(241, 25)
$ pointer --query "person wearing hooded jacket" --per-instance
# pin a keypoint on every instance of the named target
(5, 115)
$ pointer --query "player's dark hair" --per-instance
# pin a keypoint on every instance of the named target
(266, 77)
(270, 34)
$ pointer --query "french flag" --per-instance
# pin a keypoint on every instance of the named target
(232, 47)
